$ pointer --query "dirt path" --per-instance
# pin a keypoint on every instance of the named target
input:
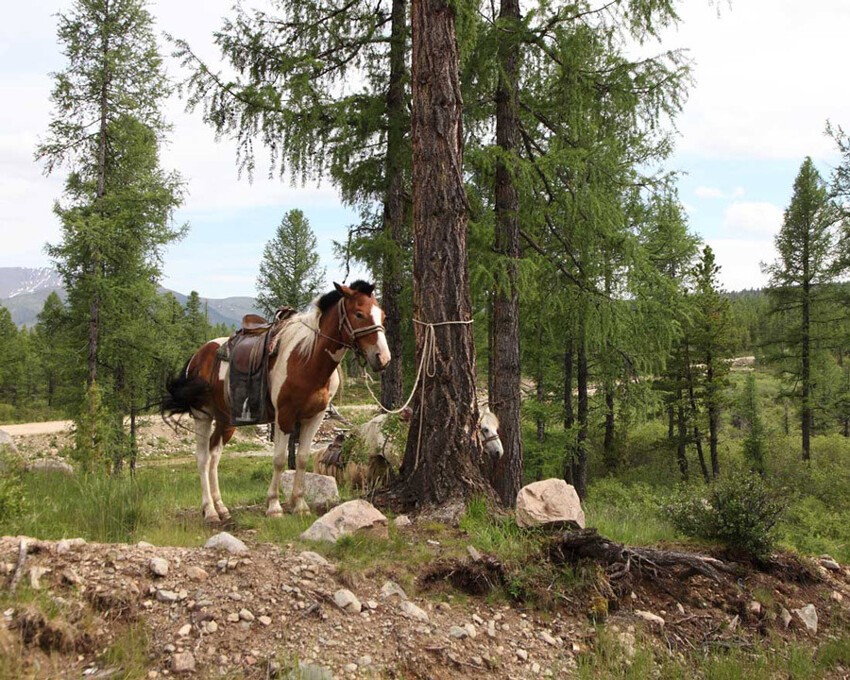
(31, 429)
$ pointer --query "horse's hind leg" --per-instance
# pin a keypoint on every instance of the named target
(203, 427)
(308, 431)
(281, 454)
(221, 435)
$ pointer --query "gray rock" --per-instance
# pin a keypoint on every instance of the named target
(183, 662)
(364, 661)
(158, 566)
(246, 615)
(522, 654)
(225, 541)
(411, 611)
(458, 632)
(315, 558)
(166, 596)
(7, 444)
(350, 668)
(51, 465)
(68, 544)
(402, 521)
(547, 637)
(649, 617)
(196, 573)
(392, 589)
(809, 616)
(356, 516)
(546, 502)
(786, 617)
(828, 563)
(36, 572)
(309, 671)
(320, 491)
(347, 601)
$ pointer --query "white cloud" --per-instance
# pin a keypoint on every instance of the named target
(739, 261)
(708, 192)
(754, 96)
(754, 218)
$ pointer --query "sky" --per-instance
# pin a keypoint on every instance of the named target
(768, 75)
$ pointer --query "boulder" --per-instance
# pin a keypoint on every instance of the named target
(547, 502)
(347, 601)
(7, 444)
(809, 616)
(357, 516)
(51, 465)
(411, 611)
(225, 541)
(319, 490)
(158, 566)
(649, 617)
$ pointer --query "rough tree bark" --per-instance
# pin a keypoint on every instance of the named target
(569, 417)
(506, 364)
(441, 461)
(576, 467)
(392, 386)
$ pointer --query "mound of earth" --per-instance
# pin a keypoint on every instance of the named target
(272, 609)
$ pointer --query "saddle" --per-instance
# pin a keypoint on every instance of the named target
(248, 350)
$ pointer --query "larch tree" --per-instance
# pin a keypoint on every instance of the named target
(289, 271)
(711, 325)
(441, 464)
(118, 203)
(810, 259)
(323, 85)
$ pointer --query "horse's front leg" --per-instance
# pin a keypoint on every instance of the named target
(203, 428)
(308, 431)
(281, 454)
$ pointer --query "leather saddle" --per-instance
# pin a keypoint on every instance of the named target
(248, 350)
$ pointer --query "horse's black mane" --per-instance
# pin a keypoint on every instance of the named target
(328, 300)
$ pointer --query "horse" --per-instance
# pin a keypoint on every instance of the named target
(303, 376)
(381, 445)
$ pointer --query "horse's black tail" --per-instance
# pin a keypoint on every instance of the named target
(185, 393)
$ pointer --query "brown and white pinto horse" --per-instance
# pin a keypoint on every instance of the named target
(303, 378)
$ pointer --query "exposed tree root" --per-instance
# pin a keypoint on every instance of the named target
(621, 560)
(475, 577)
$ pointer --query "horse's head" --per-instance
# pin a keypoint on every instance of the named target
(363, 321)
(489, 426)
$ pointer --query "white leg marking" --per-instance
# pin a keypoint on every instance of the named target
(308, 431)
(203, 428)
(281, 446)
(215, 492)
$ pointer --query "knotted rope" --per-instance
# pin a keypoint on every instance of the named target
(427, 369)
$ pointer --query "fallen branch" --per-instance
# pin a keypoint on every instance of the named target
(19, 567)
(620, 559)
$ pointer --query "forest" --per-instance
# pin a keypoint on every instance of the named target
(509, 166)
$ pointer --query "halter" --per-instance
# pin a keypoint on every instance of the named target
(491, 438)
(353, 333)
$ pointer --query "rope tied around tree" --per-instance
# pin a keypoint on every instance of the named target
(427, 368)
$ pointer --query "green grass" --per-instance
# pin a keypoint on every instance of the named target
(607, 658)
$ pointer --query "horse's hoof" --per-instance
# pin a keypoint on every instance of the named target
(223, 513)
(274, 513)
(301, 508)
(212, 520)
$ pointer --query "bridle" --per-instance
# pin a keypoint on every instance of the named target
(353, 333)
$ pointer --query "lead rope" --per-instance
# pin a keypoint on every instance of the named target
(427, 367)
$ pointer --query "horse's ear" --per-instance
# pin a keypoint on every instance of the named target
(343, 290)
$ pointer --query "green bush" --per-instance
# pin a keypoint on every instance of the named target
(13, 501)
(739, 510)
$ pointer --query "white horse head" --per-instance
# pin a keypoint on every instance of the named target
(489, 426)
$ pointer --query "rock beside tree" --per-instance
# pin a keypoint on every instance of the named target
(547, 502)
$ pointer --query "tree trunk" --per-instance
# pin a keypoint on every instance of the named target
(713, 416)
(441, 461)
(392, 379)
(608, 451)
(541, 396)
(806, 376)
(682, 439)
(569, 417)
(671, 422)
(506, 362)
(134, 447)
(580, 475)
(692, 401)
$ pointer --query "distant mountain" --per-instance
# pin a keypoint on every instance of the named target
(24, 290)
(17, 281)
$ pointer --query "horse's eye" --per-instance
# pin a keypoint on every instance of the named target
(359, 315)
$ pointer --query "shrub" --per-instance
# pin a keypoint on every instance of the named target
(13, 500)
(738, 510)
